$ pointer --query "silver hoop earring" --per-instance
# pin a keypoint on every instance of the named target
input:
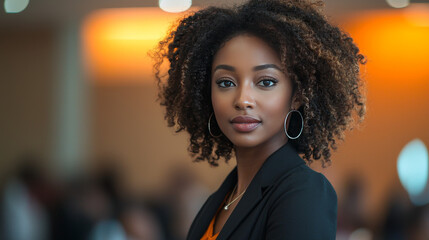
(302, 124)
(208, 126)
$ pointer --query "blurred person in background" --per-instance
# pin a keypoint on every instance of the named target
(418, 224)
(397, 217)
(264, 82)
(81, 206)
(402, 220)
(119, 217)
(88, 203)
(182, 199)
(351, 209)
(26, 197)
(140, 223)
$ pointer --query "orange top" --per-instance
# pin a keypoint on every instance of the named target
(208, 235)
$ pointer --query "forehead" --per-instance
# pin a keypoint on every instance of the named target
(245, 51)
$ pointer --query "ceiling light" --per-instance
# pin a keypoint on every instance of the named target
(15, 6)
(175, 5)
(398, 3)
(413, 167)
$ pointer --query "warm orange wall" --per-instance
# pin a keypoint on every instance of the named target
(116, 42)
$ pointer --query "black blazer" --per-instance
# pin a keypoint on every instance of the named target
(285, 200)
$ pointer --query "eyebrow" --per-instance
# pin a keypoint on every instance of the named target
(256, 68)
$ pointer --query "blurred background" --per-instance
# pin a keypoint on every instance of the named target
(86, 154)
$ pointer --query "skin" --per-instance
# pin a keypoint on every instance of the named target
(238, 89)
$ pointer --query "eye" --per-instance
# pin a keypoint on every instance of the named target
(225, 83)
(267, 82)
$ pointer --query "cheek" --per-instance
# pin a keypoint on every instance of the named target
(219, 103)
(276, 106)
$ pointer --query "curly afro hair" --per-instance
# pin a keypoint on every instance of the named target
(321, 60)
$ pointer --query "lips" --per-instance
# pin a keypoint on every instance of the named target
(245, 123)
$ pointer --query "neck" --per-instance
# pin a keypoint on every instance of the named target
(250, 160)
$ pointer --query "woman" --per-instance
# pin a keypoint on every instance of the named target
(263, 82)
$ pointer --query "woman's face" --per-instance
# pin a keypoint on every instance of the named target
(250, 94)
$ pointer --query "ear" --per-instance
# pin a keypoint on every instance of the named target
(296, 101)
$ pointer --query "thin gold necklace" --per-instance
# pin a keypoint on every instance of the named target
(235, 199)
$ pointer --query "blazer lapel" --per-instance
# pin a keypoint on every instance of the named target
(280, 162)
(250, 198)
(276, 165)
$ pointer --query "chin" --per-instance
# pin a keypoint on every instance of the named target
(245, 142)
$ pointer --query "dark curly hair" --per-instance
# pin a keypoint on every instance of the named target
(321, 60)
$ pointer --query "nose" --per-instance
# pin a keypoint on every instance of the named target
(244, 98)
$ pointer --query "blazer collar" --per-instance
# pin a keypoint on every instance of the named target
(278, 163)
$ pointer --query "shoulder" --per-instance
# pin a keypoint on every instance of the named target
(304, 204)
(304, 182)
